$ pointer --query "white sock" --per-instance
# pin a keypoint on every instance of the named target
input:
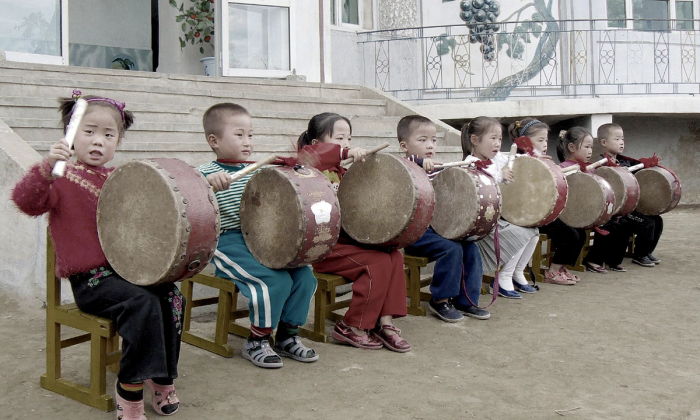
(528, 250)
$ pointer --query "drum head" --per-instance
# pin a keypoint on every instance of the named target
(656, 191)
(272, 219)
(456, 202)
(587, 201)
(377, 199)
(532, 196)
(139, 222)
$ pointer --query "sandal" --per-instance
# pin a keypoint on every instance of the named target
(261, 354)
(393, 342)
(557, 278)
(163, 398)
(569, 275)
(595, 268)
(294, 349)
(128, 410)
(343, 333)
(618, 268)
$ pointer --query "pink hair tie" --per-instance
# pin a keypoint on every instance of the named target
(117, 104)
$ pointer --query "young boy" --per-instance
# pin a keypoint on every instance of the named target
(276, 296)
(454, 260)
(647, 228)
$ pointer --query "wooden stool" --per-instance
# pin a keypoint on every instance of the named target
(584, 251)
(414, 284)
(325, 306)
(226, 314)
(542, 260)
(100, 332)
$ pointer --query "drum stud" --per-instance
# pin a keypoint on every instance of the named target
(194, 265)
(171, 176)
(188, 229)
(182, 257)
(211, 198)
(176, 189)
(184, 201)
(159, 167)
(184, 214)
(184, 244)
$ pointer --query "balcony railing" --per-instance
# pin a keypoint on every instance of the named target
(565, 58)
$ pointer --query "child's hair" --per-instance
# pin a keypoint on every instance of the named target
(319, 126)
(526, 127)
(408, 123)
(605, 130)
(575, 136)
(66, 105)
(478, 127)
(213, 119)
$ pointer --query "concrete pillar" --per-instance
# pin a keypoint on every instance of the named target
(596, 120)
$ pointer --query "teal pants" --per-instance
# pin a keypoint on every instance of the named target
(274, 295)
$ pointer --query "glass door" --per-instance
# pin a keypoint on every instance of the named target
(34, 31)
(256, 39)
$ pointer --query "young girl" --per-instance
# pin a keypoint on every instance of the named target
(482, 138)
(575, 147)
(379, 283)
(567, 241)
(147, 319)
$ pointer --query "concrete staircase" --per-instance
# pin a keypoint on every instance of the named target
(168, 109)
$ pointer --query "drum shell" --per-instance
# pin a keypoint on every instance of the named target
(300, 234)
(590, 202)
(469, 192)
(157, 220)
(654, 200)
(368, 208)
(625, 187)
(547, 194)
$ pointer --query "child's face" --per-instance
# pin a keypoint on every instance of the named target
(584, 152)
(421, 142)
(97, 137)
(489, 144)
(236, 140)
(340, 135)
(616, 143)
(539, 140)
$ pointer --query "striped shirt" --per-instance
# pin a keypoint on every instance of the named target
(229, 200)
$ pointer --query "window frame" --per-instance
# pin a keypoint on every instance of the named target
(339, 16)
(630, 20)
(61, 60)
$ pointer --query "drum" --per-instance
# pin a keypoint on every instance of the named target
(625, 187)
(467, 203)
(157, 220)
(659, 190)
(590, 203)
(289, 216)
(386, 201)
(538, 194)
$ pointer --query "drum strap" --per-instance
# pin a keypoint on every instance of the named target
(497, 246)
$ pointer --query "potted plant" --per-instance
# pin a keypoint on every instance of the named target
(197, 17)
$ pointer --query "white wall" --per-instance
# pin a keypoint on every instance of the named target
(171, 58)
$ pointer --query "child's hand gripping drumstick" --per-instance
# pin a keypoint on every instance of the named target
(252, 168)
(59, 168)
(369, 152)
(466, 162)
(508, 174)
(221, 181)
(596, 164)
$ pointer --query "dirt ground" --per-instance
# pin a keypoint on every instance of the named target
(615, 346)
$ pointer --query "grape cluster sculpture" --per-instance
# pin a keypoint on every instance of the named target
(480, 17)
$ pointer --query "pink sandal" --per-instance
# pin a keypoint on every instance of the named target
(163, 396)
(557, 278)
(568, 274)
(393, 342)
(343, 333)
(128, 410)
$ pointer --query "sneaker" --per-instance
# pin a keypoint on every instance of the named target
(524, 288)
(618, 268)
(473, 311)
(643, 261)
(509, 294)
(653, 259)
(260, 353)
(445, 311)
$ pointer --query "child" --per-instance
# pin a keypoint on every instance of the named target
(379, 282)
(567, 241)
(455, 261)
(647, 228)
(275, 296)
(482, 138)
(147, 318)
(575, 147)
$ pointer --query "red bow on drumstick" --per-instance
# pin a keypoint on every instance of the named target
(611, 161)
(650, 162)
(524, 144)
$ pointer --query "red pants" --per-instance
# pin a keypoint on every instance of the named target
(379, 282)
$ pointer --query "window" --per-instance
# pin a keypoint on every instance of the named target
(684, 10)
(650, 15)
(258, 37)
(345, 12)
(616, 14)
(35, 31)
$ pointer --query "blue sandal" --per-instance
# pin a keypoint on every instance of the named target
(261, 354)
(295, 349)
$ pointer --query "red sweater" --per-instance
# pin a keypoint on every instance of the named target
(71, 202)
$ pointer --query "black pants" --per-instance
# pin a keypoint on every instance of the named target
(149, 319)
(609, 249)
(648, 230)
(566, 241)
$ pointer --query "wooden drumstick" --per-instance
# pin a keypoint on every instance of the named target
(252, 168)
(466, 162)
(511, 158)
(635, 167)
(369, 152)
(596, 164)
(571, 171)
(59, 168)
(572, 168)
